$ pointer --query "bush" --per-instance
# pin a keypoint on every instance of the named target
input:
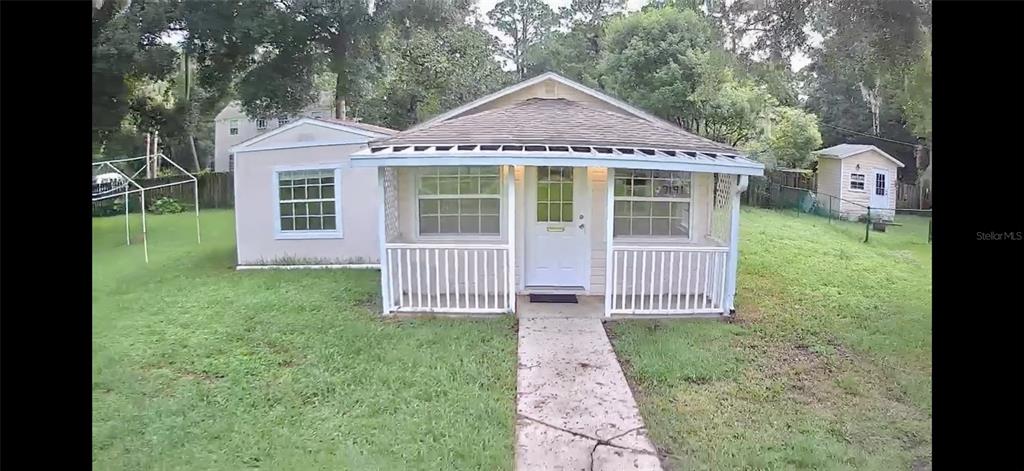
(166, 205)
(112, 207)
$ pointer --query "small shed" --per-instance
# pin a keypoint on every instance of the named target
(856, 177)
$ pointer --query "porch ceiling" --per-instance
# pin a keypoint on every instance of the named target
(567, 155)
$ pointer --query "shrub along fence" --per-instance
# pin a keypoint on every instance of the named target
(216, 190)
(848, 216)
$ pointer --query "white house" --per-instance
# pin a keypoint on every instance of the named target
(546, 186)
(297, 200)
(232, 127)
(858, 176)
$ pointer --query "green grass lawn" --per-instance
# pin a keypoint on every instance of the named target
(827, 367)
(197, 366)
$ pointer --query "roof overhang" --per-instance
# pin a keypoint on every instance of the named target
(562, 155)
(851, 154)
(250, 145)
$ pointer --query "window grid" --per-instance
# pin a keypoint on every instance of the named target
(281, 121)
(554, 194)
(857, 181)
(652, 203)
(880, 184)
(261, 123)
(307, 200)
(233, 127)
(459, 200)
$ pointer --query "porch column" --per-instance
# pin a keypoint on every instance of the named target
(510, 197)
(734, 238)
(382, 241)
(609, 221)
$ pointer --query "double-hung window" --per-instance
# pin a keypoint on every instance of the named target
(233, 127)
(652, 203)
(261, 123)
(459, 201)
(282, 120)
(857, 181)
(308, 203)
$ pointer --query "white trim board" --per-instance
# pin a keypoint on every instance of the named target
(363, 266)
(311, 121)
(826, 155)
(585, 160)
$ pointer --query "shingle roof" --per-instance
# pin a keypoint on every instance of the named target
(555, 122)
(360, 125)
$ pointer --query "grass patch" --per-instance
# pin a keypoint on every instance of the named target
(199, 366)
(828, 366)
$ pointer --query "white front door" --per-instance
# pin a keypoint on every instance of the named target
(879, 197)
(557, 243)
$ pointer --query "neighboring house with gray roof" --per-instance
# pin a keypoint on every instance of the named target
(545, 187)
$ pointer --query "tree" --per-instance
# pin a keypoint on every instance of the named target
(790, 135)
(127, 55)
(432, 71)
(276, 50)
(526, 23)
(668, 62)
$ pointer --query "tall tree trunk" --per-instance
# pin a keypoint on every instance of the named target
(195, 155)
(339, 64)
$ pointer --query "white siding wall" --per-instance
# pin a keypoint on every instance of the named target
(868, 161)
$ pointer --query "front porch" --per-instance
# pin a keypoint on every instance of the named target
(676, 264)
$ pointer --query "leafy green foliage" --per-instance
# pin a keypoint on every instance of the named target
(166, 205)
(432, 71)
(526, 23)
(791, 136)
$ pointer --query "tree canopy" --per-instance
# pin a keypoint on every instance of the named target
(723, 73)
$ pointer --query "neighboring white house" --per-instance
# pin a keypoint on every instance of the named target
(232, 127)
(298, 201)
(547, 186)
(858, 176)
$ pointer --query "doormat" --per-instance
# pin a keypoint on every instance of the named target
(553, 298)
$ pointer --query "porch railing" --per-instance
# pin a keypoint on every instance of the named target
(447, 278)
(667, 280)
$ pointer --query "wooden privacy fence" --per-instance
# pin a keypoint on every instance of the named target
(216, 190)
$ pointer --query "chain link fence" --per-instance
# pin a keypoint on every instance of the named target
(851, 217)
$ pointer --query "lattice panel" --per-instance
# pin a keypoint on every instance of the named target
(391, 204)
(721, 212)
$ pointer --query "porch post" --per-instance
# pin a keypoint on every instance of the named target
(734, 237)
(609, 221)
(382, 240)
(510, 197)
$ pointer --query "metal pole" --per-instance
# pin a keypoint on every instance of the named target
(145, 240)
(199, 238)
(929, 230)
(867, 227)
(127, 233)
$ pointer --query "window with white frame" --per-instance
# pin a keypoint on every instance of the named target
(880, 184)
(308, 201)
(261, 123)
(282, 120)
(459, 200)
(233, 127)
(857, 181)
(652, 203)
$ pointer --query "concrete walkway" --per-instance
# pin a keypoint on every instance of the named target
(575, 410)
